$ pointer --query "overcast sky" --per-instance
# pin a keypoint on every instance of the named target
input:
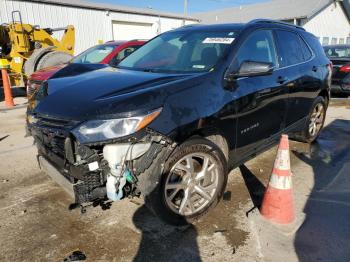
(177, 6)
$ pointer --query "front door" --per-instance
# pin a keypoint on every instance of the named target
(262, 100)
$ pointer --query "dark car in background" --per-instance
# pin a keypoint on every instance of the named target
(111, 52)
(170, 119)
(340, 57)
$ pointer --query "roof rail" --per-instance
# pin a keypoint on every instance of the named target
(189, 25)
(255, 21)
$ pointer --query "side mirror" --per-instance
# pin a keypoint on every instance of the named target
(250, 68)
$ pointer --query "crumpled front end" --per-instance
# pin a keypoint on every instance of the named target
(93, 172)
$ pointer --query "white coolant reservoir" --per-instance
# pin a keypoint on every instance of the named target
(115, 155)
(111, 189)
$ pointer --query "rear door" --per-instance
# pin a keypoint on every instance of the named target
(300, 72)
(262, 100)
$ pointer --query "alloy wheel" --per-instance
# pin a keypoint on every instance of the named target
(316, 120)
(192, 183)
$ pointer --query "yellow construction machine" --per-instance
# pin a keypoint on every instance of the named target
(29, 48)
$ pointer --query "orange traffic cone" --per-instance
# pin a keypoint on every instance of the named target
(278, 203)
(7, 89)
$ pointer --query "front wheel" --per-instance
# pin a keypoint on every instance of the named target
(193, 181)
(315, 120)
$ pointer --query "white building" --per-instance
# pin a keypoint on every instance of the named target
(93, 22)
(326, 19)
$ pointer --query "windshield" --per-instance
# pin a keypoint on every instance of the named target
(337, 51)
(181, 52)
(93, 55)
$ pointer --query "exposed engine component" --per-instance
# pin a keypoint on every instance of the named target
(116, 156)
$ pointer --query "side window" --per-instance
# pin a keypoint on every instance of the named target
(123, 53)
(306, 50)
(258, 47)
(126, 52)
(290, 48)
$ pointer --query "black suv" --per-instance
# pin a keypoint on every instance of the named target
(171, 118)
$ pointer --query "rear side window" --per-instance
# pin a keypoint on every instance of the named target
(306, 50)
(293, 50)
(315, 45)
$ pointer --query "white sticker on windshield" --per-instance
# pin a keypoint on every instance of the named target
(103, 51)
(218, 40)
(198, 66)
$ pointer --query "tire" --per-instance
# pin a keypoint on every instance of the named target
(168, 203)
(30, 66)
(53, 58)
(319, 104)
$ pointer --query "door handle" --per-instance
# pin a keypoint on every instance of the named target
(282, 79)
(314, 68)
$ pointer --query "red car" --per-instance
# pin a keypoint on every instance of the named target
(111, 52)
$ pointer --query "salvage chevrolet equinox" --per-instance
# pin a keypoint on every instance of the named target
(170, 120)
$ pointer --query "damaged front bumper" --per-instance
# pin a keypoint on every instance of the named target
(96, 172)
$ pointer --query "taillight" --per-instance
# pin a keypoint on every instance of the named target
(345, 69)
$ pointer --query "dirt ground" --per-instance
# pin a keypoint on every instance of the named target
(36, 224)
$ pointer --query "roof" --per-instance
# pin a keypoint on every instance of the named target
(211, 27)
(113, 7)
(272, 9)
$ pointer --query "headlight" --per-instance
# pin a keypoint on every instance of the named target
(100, 130)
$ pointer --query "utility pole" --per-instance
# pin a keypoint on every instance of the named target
(185, 10)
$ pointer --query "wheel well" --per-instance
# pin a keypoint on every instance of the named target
(217, 138)
(324, 93)
(221, 142)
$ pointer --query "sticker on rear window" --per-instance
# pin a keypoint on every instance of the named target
(218, 40)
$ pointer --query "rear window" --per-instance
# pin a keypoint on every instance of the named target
(293, 49)
(337, 51)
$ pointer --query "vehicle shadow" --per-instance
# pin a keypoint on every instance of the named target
(162, 242)
(255, 188)
(325, 234)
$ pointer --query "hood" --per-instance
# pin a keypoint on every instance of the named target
(64, 70)
(107, 93)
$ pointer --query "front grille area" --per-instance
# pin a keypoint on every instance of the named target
(51, 140)
(51, 133)
(56, 123)
(55, 144)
